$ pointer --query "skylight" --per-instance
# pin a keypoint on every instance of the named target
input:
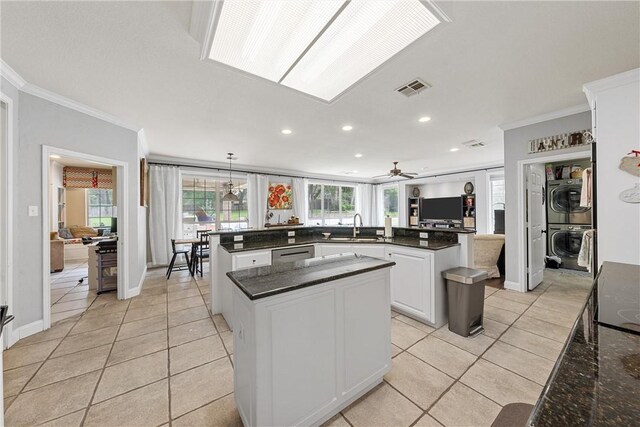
(318, 47)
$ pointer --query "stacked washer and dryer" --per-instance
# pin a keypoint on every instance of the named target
(567, 220)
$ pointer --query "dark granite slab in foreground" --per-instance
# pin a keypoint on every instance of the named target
(262, 282)
(596, 381)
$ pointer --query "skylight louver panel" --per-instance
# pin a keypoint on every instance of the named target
(363, 36)
(266, 37)
(320, 47)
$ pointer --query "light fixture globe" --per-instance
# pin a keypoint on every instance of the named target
(230, 195)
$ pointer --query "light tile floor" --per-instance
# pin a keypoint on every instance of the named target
(68, 297)
(163, 358)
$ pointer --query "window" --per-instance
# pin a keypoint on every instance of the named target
(99, 207)
(390, 200)
(497, 203)
(203, 208)
(331, 204)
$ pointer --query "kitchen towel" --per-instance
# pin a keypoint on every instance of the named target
(585, 194)
(585, 256)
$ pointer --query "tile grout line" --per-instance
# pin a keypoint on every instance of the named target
(95, 389)
(169, 373)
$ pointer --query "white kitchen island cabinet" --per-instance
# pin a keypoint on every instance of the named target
(304, 354)
(417, 287)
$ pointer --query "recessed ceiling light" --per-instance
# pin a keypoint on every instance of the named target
(358, 155)
(320, 48)
(424, 168)
(286, 131)
(54, 156)
(354, 171)
(347, 128)
(424, 119)
(454, 149)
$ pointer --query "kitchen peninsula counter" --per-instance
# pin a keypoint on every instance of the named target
(596, 381)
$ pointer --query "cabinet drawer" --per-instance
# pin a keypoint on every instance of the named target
(252, 259)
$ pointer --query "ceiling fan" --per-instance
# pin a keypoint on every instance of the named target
(397, 172)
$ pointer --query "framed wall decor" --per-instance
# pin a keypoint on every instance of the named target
(280, 196)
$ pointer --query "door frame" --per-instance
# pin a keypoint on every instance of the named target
(6, 193)
(522, 285)
(122, 201)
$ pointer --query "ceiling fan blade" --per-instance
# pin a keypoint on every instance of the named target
(411, 173)
(404, 175)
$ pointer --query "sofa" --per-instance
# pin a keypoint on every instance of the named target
(74, 249)
(56, 252)
(486, 252)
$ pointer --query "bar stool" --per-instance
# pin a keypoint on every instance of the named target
(178, 251)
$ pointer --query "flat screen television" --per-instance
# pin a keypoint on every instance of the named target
(441, 208)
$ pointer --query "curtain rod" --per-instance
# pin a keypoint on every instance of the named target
(321, 179)
(254, 172)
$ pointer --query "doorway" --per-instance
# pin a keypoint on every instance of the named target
(84, 211)
(552, 220)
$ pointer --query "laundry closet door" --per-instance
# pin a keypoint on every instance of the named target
(535, 224)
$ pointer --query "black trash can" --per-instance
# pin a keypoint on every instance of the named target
(465, 295)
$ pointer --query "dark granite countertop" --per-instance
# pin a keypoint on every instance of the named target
(262, 282)
(596, 381)
(346, 227)
(411, 242)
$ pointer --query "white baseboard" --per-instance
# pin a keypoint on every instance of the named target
(130, 293)
(513, 286)
(25, 331)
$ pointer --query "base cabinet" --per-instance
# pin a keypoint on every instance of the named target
(302, 356)
(376, 251)
(412, 282)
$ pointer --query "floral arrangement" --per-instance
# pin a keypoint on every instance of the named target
(280, 196)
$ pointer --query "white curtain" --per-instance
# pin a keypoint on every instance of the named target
(257, 188)
(367, 204)
(300, 198)
(165, 210)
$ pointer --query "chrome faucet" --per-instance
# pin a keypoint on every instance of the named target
(356, 231)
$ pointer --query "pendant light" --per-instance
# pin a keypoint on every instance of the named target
(230, 196)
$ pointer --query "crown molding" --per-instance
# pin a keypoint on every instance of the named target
(12, 77)
(546, 117)
(275, 172)
(592, 88)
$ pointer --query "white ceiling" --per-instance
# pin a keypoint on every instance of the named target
(497, 62)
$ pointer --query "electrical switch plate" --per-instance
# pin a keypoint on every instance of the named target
(33, 211)
(424, 235)
(238, 245)
(237, 238)
(379, 232)
(291, 241)
(424, 243)
(291, 233)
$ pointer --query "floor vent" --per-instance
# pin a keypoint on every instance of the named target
(413, 87)
(473, 143)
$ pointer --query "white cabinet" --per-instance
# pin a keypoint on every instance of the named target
(302, 356)
(412, 282)
(325, 249)
(374, 250)
(251, 259)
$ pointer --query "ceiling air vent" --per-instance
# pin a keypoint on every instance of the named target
(414, 87)
(473, 143)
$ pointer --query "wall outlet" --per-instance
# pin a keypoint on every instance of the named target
(238, 245)
(379, 232)
(291, 233)
(424, 235)
(424, 243)
(290, 241)
(33, 211)
(238, 238)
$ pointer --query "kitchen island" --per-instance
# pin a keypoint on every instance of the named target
(417, 286)
(310, 337)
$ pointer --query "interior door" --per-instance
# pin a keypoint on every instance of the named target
(535, 225)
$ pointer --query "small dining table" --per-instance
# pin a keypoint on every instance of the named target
(194, 242)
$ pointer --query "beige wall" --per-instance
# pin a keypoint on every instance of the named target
(76, 207)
